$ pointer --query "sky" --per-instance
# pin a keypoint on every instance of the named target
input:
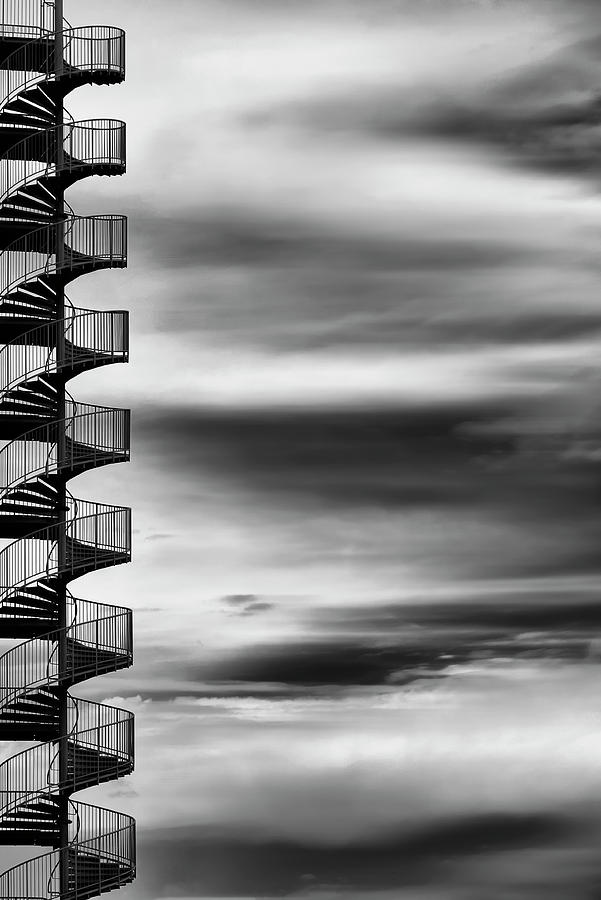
(364, 294)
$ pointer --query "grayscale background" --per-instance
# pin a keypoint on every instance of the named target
(366, 333)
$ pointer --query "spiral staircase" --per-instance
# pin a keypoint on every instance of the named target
(50, 537)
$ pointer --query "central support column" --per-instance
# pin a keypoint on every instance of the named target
(63, 749)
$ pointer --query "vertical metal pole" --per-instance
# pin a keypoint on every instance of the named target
(61, 453)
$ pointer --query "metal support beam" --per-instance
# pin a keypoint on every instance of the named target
(63, 748)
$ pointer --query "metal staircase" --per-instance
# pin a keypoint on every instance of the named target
(51, 537)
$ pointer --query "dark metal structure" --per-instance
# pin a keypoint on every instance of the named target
(50, 537)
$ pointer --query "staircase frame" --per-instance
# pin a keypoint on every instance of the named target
(54, 536)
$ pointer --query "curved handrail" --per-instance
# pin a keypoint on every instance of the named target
(85, 144)
(86, 240)
(90, 335)
(104, 431)
(90, 49)
(32, 772)
(100, 533)
(30, 664)
(37, 879)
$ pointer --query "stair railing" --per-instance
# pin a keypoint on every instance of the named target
(106, 530)
(90, 50)
(91, 336)
(108, 732)
(92, 240)
(86, 145)
(112, 841)
(96, 435)
(14, 12)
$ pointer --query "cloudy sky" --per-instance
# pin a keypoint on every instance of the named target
(366, 334)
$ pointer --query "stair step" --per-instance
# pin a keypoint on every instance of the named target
(35, 703)
(30, 409)
(35, 490)
(25, 628)
(27, 511)
(29, 393)
(33, 601)
(16, 213)
(39, 590)
(47, 804)
(23, 815)
(29, 504)
(20, 203)
(11, 310)
(21, 599)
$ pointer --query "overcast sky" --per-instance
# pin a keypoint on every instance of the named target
(365, 375)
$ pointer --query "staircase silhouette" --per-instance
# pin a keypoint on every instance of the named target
(53, 537)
